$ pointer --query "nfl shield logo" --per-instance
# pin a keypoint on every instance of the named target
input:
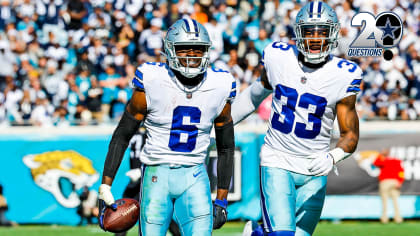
(154, 179)
(303, 80)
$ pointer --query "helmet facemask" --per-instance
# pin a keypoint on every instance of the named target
(316, 40)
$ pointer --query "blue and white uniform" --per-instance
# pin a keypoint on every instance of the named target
(302, 118)
(178, 124)
(303, 107)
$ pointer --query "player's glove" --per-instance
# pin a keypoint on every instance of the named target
(321, 165)
(219, 213)
(105, 200)
(134, 174)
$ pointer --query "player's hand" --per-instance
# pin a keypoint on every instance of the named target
(321, 165)
(105, 200)
(219, 213)
(134, 174)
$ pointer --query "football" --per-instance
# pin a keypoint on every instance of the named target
(122, 219)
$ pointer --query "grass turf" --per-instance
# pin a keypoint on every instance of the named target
(352, 228)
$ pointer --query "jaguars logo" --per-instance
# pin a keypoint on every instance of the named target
(365, 161)
(48, 168)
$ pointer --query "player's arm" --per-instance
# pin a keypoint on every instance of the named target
(347, 143)
(249, 100)
(225, 144)
(127, 127)
(348, 121)
(130, 121)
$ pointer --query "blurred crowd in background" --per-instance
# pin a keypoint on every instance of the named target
(66, 63)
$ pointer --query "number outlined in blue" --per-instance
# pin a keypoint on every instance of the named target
(218, 70)
(179, 128)
(287, 111)
(320, 103)
(281, 45)
(347, 63)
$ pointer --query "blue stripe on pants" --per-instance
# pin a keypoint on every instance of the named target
(293, 202)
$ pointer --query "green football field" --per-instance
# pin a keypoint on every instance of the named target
(353, 228)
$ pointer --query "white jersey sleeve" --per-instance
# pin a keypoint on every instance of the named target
(352, 78)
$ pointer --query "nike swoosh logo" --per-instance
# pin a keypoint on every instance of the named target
(196, 174)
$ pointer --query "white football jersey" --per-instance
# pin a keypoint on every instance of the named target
(303, 106)
(179, 120)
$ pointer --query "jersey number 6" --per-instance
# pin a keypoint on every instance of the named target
(184, 137)
(284, 122)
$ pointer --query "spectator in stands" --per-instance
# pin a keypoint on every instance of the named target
(122, 95)
(262, 41)
(83, 81)
(364, 105)
(215, 30)
(7, 13)
(233, 65)
(76, 11)
(234, 28)
(84, 63)
(398, 105)
(25, 108)
(173, 14)
(53, 81)
(42, 113)
(381, 97)
(60, 117)
(7, 62)
(13, 95)
(151, 39)
(374, 76)
(82, 116)
(199, 14)
(108, 81)
(75, 97)
(391, 178)
(93, 100)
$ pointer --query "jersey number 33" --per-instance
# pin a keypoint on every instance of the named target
(315, 105)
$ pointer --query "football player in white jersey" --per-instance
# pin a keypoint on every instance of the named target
(310, 88)
(179, 102)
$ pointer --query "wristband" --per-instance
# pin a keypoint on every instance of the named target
(338, 154)
(222, 203)
(104, 187)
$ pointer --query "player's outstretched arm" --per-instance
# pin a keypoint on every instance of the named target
(127, 127)
(249, 100)
(225, 144)
(348, 122)
(349, 136)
